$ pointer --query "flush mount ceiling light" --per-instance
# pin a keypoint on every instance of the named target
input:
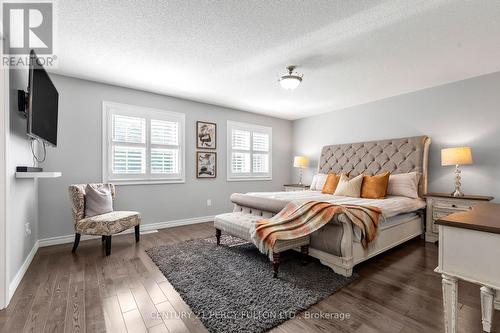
(291, 80)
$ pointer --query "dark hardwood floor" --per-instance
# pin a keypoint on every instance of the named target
(88, 292)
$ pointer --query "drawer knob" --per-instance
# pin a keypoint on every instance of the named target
(454, 206)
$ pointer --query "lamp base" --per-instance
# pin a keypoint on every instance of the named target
(300, 177)
(458, 192)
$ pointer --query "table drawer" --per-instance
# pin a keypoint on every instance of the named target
(293, 189)
(453, 205)
(438, 213)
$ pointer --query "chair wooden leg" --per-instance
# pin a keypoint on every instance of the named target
(276, 264)
(137, 233)
(75, 244)
(108, 245)
(218, 233)
(103, 238)
(304, 249)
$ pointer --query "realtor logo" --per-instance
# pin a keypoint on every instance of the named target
(27, 26)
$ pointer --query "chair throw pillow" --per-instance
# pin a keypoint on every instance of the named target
(98, 200)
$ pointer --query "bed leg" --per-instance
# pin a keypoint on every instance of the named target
(217, 235)
(276, 264)
(342, 270)
(304, 249)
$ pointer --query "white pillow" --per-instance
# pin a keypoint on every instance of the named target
(404, 184)
(318, 182)
(98, 200)
(349, 187)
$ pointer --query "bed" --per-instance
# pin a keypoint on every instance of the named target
(337, 244)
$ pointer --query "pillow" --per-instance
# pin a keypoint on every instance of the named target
(98, 200)
(318, 182)
(349, 187)
(331, 183)
(375, 187)
(404, 184)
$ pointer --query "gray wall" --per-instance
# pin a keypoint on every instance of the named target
(78, 157)
(22, 193)
(461, 113)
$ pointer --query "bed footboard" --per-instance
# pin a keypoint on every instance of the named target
(351, 252)
(341, 263)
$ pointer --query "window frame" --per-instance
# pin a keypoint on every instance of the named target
(232, 177)
(110, 108)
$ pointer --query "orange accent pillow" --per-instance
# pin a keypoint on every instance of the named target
(375, 187)
(332, 180)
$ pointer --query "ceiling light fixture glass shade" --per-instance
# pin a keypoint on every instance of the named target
(291, 80)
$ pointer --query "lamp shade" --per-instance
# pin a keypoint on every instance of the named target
(457, 155)
(300, 162)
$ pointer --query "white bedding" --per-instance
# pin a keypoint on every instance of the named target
(391, 206)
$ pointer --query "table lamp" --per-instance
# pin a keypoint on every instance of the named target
(456, 156)
(300, 162)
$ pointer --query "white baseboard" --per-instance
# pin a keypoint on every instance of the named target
(145, 228)
(178, 223)
(22, 270)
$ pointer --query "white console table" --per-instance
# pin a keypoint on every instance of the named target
(469, 244)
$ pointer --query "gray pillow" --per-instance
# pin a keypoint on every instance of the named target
(98, 200)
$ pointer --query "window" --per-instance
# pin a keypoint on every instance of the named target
(249, 152)
(142, 145)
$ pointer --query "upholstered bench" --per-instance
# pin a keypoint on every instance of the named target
(238, 224)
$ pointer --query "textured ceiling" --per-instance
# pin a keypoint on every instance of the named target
(231, 53)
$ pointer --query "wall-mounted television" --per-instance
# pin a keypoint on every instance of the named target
(42, 104)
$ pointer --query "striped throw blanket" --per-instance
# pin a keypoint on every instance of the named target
(300, 219)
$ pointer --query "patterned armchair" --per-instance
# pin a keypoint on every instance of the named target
(103, 225)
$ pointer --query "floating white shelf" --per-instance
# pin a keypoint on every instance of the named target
(38, 174)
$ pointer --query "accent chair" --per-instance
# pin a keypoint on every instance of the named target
(104, 225)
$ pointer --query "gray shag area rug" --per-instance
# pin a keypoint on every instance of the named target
(231, 288)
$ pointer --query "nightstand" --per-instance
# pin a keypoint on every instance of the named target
(295, 187)
(443, 204)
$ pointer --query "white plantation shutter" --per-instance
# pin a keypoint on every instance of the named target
(142, 145)
(240, 162)
(165, 155)
(240, 139)
(164, 161)
(260, 163)
(129, 129)
(249, 151)
(260, 141)
(164, 132)
(129, 160)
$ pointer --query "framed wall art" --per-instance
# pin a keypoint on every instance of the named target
(206, 164)
(206, 135)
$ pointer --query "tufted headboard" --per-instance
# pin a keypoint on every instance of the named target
(394, 155)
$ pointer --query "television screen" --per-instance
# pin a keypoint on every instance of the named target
(43, 104)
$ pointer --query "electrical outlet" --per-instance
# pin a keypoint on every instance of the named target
(209, 202)
(27, 229)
